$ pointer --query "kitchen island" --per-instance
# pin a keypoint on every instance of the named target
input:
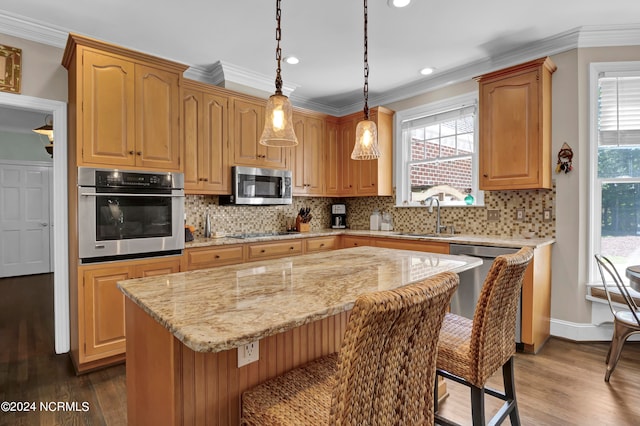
(183, 330)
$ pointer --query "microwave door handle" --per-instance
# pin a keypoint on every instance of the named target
(116, 194)
(281, 187)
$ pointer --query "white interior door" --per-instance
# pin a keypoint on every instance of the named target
(24, 220)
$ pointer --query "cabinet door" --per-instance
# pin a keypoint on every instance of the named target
(214, 155)
(347, 166)
(153, 269)
(107, 110)
(192, 134)
(248, 123)
(103, 316)
(307, 164)
(332, 155)
(157, 118)
(367, 170)
(509, 132)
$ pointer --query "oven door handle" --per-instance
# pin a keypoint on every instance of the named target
(118, 194)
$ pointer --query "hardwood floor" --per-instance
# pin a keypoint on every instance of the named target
(561, 385)
(31, 372)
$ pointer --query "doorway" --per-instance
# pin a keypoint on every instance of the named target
(60, 214)
(25, 218)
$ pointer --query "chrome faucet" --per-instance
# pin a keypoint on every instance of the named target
(439, 227)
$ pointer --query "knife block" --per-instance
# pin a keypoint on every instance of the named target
(302, 227)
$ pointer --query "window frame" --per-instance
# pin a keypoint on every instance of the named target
(595, 183)
(402, 150)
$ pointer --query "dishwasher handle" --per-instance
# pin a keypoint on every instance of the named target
(480, 251)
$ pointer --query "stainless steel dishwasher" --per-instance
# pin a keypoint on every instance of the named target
(464, 300)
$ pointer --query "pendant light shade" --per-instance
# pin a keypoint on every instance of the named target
(47, 130)
(366, 147)
(278, 124)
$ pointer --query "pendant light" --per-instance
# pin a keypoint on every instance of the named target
(47, 130)
(366, 147)
(278, 125)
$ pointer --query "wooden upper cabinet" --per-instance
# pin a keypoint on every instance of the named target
(108, 110)
(366, 177)
(346, 166)
(307, 163)
(124, 107)
(515, 127)
(157, 122)
(247, 125)
(205, 137)
(332, 155)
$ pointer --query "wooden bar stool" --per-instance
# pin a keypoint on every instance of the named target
(382, 375)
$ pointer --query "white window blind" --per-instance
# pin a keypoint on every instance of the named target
(619, 108)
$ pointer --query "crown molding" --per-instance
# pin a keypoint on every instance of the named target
(221, 72)
(30, 29)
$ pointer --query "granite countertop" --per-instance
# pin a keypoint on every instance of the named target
(216, 309)
(515, 242)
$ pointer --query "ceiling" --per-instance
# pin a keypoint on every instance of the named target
(459, 38)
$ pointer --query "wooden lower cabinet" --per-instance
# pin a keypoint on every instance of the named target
(210, 257)
(356, 241)
(402, 244)
(100, 309)
(312, 245)
(273, 250)
(536, 301)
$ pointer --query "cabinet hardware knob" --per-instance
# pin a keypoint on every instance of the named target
(205, 179)
(217, 256)
(322, 245)
(485, 175)
(131, 152)
(262, 251)
(139, 152)
(290, 248)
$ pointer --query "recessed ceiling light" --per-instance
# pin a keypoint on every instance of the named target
(291, 60)
(398, 3)
(427, 71)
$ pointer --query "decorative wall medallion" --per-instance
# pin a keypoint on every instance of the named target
(10, 69)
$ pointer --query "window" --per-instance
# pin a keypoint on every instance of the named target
(615, 185)
(437, 153)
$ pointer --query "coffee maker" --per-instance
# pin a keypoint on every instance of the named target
(338, 216)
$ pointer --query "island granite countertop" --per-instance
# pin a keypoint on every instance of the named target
(485, 240)
(212, 310)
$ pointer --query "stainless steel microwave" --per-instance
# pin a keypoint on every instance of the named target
(258, 186)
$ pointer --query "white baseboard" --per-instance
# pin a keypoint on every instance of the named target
(599, 330)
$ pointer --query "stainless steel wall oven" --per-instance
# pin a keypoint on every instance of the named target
(129, 214)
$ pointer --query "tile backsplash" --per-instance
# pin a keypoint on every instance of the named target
(466, 220)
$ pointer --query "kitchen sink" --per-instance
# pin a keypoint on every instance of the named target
(425, 235)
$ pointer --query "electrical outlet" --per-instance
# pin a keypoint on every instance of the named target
(248, 353)
(546, 215)
(519, 215)
(493, 215)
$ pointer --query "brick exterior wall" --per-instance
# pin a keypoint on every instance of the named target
(457, 174)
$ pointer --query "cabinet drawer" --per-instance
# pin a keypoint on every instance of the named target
(321, 244)
(429, 246)
(273, 250)
(351, 241)
(207, 257)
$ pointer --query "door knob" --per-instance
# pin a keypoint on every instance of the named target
(44, 224)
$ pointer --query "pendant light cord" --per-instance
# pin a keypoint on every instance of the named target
(278, 50)
(366, 65)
